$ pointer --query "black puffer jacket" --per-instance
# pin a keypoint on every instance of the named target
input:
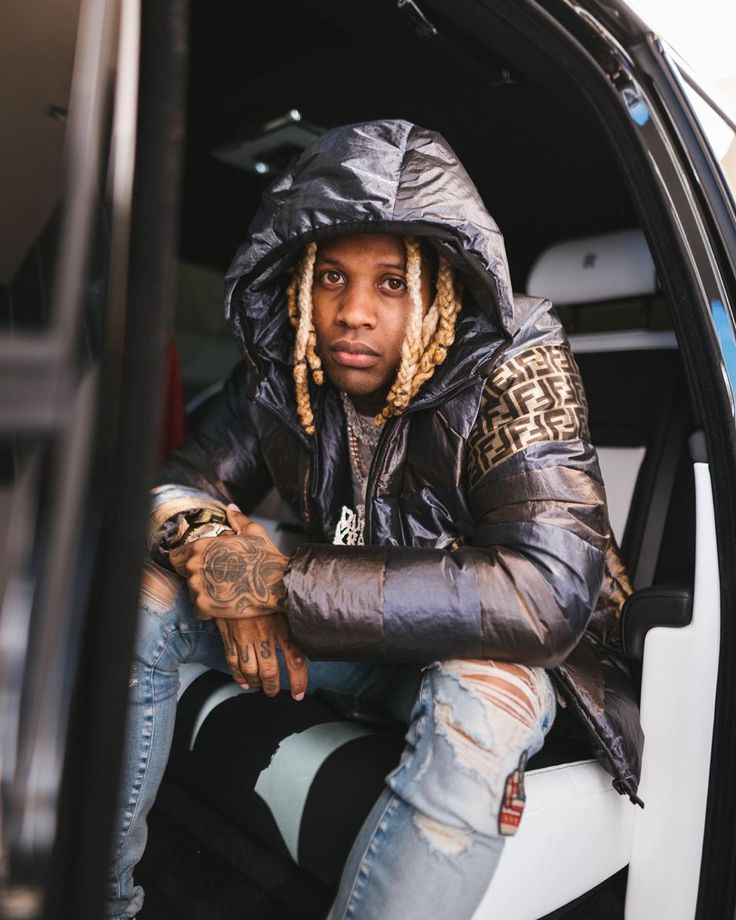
(487, 532)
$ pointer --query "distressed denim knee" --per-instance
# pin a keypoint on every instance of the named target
(473, 726)
(166, 628)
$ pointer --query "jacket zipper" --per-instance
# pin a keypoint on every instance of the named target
(390, 424)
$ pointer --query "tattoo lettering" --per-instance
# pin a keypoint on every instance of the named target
(241, 573)
(265, 649)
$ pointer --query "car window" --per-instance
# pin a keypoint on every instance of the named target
(718, 125)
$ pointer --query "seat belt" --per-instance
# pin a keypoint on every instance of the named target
(651, 542)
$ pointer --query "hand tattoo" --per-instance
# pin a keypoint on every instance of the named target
(265, 649)
(241, 573)
(230, 648)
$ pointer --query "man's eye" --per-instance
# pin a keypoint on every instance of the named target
(330, 277)
(395, 285)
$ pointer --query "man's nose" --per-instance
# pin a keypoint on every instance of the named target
(356, 307)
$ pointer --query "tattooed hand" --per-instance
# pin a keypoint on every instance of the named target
(237, 579)
(250, 650)
(234, 575)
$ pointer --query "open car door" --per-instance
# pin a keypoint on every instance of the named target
(78, 431)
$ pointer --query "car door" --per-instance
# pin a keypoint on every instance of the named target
(687, 210)
(78, 430)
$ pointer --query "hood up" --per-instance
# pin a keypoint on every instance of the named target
(387, 176)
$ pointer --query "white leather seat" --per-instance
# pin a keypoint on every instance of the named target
(576, 832)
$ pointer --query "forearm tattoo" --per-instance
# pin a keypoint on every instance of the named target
(241, 573)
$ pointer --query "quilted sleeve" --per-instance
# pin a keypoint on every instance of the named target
(220, 462)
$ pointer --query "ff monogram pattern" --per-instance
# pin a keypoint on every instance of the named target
(535, 396)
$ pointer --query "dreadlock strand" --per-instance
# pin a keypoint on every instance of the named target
(305, 273)
(400, 393)
(291, 294)
(447, 304)
(313, 359)
(429, 325)
(303, 297)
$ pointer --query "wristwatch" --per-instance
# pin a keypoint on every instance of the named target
(191, 525)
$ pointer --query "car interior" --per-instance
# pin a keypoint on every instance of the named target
(262, 798)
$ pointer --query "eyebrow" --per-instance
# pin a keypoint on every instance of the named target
(394, 265)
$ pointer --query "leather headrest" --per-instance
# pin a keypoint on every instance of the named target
(591, 269)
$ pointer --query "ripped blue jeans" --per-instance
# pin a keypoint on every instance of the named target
(431, 843)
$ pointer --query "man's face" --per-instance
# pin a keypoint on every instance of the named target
(361, 308)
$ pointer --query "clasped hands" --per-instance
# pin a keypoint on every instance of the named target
(237, 580)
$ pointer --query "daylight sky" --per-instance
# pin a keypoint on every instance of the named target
(704, 33)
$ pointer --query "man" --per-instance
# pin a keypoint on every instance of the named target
(430, 429)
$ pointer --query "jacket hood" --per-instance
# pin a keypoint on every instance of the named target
(381, 176)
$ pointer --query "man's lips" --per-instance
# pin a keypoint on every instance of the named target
(354, 354)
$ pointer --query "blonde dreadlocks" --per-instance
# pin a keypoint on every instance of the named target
(425, 342)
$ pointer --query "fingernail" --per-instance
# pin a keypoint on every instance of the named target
(299, 696)
(233, 507)
(244, 686)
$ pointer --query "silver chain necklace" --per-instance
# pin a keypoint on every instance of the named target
(360, 430)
